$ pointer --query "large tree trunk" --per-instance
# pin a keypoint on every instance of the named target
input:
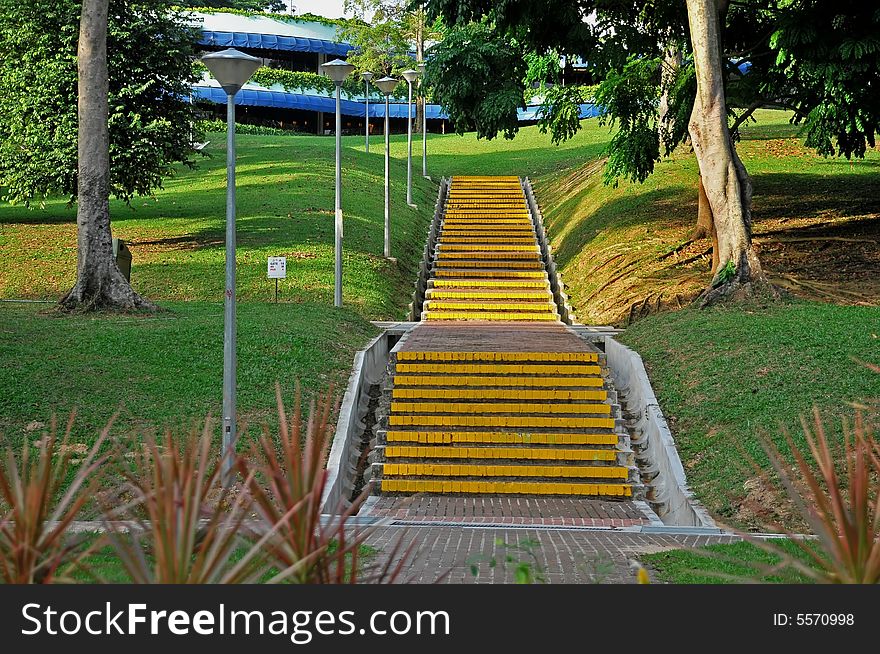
(99, 282)
(706, 224)
(725, 180)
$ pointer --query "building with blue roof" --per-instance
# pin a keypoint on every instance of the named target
(288, 43)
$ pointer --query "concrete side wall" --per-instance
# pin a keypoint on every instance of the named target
(369, 368)
(566, 313)
(661, 470)
(418, 297)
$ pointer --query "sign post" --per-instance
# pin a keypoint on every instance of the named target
(277, 269)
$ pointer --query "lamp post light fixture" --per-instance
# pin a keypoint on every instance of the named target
(367, 76)
(410, 76)
(421, 67)
(387, 86)
(337, 70)
(232, 69)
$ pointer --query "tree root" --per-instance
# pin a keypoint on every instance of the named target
(114, 294)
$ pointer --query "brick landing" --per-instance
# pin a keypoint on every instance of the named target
(446, 554)
(485, 336)
(508, 510)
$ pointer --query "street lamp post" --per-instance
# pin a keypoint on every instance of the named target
(387, 86)
(232, 69)
(337, 70)
(410, 77)
(421, 68)
(367, 76)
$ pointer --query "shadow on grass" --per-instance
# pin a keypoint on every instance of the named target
(631, 210)
(804, 195)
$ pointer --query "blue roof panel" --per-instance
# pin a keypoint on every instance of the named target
(272, 42)
(286, 100)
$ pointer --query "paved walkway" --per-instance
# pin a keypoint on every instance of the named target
(447, 553)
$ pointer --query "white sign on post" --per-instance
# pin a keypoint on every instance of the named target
(277, 267)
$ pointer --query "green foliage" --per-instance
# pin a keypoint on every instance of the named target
(628, 99)
(246, 5)
(831, 50)
(218, 126)
(150, 48)
(542, 68)
(560, 113)
(726, 273)
(477, 75)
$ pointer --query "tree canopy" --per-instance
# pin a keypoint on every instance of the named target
(150, 67)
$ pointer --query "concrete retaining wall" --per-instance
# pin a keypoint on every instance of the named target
(418, 296)
(566, 313)
(369, 368)
(662, 473)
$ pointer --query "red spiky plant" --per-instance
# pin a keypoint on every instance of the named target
(40, 498)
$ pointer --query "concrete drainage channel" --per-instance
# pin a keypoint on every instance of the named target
(661, 469)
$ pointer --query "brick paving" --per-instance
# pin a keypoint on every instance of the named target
(446, 554)
(508, 510)
(484, 336)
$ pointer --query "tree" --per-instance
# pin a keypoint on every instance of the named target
(476, 98)
(384, 42)
(76, 122)
(99, 282)
(150, 53)
(728, 70)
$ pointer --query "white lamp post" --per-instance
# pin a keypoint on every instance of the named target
(410, 76)
(232, 69)
(421, 67)
(367, 76)
(337, 70)
(387, 86)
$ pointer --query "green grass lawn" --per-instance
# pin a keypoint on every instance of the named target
(285, 205)
(165, 370)
(724, 373)
(816, 224)
(726, 564)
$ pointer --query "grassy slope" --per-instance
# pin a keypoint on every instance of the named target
(168, 369)
(723, 374)
(165, 370)
(724, 564)
(608, 241)
(285, 207)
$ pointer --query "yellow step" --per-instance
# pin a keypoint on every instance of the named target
(489, 283)
(501, 317)
(481, 470)
(504, 487)
(400, 393)
(571, 357)
(499, 422)
(487, 247)
(463, 305)
(501, 368)
(488, 295)
(399, 406)
(509, 274)
(527, 382)
(510, 453)
(499, 437)
(530, 255)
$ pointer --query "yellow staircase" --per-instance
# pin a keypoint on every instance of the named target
(487, 264)
(536, 423)
(517, 405)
